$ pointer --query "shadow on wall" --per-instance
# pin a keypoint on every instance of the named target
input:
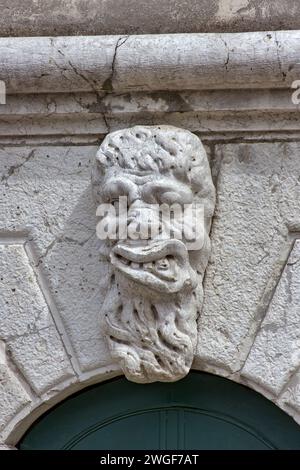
(78, 278)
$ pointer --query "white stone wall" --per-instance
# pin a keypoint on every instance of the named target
(52, 276)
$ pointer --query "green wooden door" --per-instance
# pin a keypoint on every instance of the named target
(201, 411)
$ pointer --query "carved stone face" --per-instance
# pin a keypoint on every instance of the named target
(155, 293)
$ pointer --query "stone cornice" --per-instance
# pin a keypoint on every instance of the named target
(150, 62)
(210, 112)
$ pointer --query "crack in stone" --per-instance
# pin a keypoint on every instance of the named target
(228, 52)
(11, 171)
(202, 125)
(266, 300)
(283, 73)
(60, 240)
(108, 84)
(91, 83)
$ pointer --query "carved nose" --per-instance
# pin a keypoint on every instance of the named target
(139, 219)
(133, 214)
(134, 211)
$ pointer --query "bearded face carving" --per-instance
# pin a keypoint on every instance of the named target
(149, 315)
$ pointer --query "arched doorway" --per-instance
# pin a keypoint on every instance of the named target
(201, 411)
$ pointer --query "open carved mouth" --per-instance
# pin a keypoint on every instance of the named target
(161, 265)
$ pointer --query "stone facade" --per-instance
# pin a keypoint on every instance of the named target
(64, 96)
(86, 17)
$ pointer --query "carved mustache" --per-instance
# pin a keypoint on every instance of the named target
(163, 265)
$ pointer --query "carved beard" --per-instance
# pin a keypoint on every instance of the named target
(152, 335)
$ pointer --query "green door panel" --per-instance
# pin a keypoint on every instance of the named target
(201, 411)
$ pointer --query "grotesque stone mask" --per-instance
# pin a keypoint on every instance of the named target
(149, 315)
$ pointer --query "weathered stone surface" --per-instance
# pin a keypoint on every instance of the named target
(150, 62)
(275, 354)
(26, 323)
(58, 60)
(68, 17)
(89, 116)
(258, 199)
(290, 398)
(42, 359)
(13, 397)
(46, 192)
(23, 308)
(49, 252)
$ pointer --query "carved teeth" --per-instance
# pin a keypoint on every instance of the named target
(135, 265)
(147, 266)
(161, 264)
(158, 265)
(156, 251)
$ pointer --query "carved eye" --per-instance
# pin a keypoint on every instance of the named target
(158, 194)
(120, 205)
(115, 202)
(167, 192)
(116, 188)
(150, 194)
